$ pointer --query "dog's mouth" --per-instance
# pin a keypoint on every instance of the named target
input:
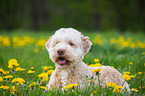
(62, 61)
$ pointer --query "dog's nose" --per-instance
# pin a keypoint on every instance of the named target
(61, 52)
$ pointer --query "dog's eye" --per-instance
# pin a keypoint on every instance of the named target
(71, 44)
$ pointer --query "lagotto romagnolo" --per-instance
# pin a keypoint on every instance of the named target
(67, 48)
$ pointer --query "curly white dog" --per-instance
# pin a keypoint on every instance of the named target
(66, 48)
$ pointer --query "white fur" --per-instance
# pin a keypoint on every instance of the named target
(76, 71)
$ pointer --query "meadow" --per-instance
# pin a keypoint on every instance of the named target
(25, 67)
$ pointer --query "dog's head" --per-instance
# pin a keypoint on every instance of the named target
(67, 46)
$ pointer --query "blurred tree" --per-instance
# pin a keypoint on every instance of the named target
(80, 14)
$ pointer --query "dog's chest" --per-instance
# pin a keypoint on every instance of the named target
(66, 77)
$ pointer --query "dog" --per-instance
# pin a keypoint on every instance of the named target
(67, 48)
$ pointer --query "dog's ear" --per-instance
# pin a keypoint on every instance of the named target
(48, 43)
(86, 44)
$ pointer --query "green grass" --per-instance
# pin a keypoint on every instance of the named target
(109, 55)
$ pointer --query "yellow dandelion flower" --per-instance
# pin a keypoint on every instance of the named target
(111, 84)
(134, 90)
(9, 76)
(32, 68)
(1, 79)
(34, 83)
(132, 76)
(96, 60)
(12, 63)
(36, 50)
(95, 65)
(30, 71)
(12, 92)
(95, 91)
(45, 68)
(91, 80)
(96, 70)
(112, 66)
(112, 40)
(4, 87)
(143, 53)
(43, 87)
(130, 63)
(43, 76)
(20, 69)
(6, 72)
(30, 85)
(139, 73)
(1, 70)
(135, 75)
(13, 88)
(117, 89)
(126, 72)
(49, 72)
(18, 80)
(126, 77)
(70, 86)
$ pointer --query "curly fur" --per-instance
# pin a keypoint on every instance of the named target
(75, 71)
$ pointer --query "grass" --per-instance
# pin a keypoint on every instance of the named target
(108, 54)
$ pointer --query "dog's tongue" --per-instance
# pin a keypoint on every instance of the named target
(61, 61)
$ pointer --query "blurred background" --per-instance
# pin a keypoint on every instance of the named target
(44, 15)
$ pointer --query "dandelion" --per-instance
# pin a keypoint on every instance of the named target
(117, 89)
(49, 72)
(4, 87)
(8, 77)
(126, 77)
(1, 79)
(96, 70)
(91, 80)
(6, 72)
(18, 80)
(12, 63)
(30, 71)
(143, 87)
(143, 53)
(12, 89)
(32, 84)
(43, 87)
(132, 76)
(36, 50)
(70, 86)
(139, 73)
(32, 68)
(126, 72)
(96, 60)
(112, 41)
(95, 65)
(1, 70)
(46, 67)
(20, 69)
(134, 90)
(111, 84)
(43, 76)
(130, 63)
